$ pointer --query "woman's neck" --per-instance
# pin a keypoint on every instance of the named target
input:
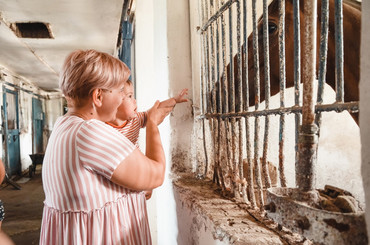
(86, 112)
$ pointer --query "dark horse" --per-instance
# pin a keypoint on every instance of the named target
(351, 42)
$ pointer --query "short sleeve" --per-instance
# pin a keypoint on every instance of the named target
(142, 117)
(101, 148)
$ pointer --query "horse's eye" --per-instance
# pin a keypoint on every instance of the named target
(272, 28)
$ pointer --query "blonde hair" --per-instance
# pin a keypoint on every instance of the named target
(84, 71)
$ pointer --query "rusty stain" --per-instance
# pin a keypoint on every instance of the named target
(339, 226)
(303, 223)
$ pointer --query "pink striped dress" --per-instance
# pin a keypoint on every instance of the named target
(131, 128)
(82, 205)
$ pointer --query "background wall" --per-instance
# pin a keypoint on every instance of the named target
(52, 106)
(162, 65)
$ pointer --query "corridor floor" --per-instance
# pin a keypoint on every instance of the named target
(23, 209)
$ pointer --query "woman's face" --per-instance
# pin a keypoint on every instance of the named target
(112, 99)
(127, 109)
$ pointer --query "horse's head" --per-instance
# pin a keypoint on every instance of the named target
(351, 31)
(273, 36)
(351, 40)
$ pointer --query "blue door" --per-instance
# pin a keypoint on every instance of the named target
(10, 99)
(37, 126)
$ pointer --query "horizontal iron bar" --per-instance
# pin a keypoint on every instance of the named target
(217, 14)
(337, 107)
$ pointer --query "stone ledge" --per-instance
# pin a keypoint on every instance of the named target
(228, 221)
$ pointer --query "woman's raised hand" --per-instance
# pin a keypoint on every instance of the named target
(157, 114)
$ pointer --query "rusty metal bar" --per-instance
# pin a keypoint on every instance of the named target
(322, 61)
(239, 105)
(221, 96)
(239, 95)
(231, 99)
(351, 107)
(218, 14)
(231, 64)
(245, 63)
(224, 98)
(203, 93)
(323, 50)
(212, 101)
(218, 96)
(338, 12)
(322, 57)
(257, 172)
(265, 171)
(297, 71)
(309, 64)
(249, 183)
(218, 93)
(305, 171)
(282, 79)
(207, 67)
(220, 174)
(225, 91)
(203, 70)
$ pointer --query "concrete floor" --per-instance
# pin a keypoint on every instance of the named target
(23, 209)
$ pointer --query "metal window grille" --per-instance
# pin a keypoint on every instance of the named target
(226, 104)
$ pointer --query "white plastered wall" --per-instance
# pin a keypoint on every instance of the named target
(162, 70)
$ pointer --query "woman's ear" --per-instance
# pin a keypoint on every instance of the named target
(97, 97)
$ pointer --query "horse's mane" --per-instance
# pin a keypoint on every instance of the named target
(354, 3)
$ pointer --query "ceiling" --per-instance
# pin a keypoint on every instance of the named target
(73, 24)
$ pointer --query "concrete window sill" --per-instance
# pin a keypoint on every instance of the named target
(205, 217)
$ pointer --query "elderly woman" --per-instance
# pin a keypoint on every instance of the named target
(93, 176)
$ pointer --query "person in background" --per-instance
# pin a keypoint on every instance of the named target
(129, 121)
(93, 176)
(4, 238)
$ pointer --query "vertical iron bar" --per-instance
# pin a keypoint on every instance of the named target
(297, 72)
(322, 58)
(222, 96)
(204, 96)
(323, 49)
(217, 48)
(338, 12)
(225, 89)
(239, 105)
(212, 90)
(249, 183)
(208, 75)
(265, 170)
(308, 139)
(203, 77)
(282, 79)
(231, 121)
(257, 172)
(231, 98)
